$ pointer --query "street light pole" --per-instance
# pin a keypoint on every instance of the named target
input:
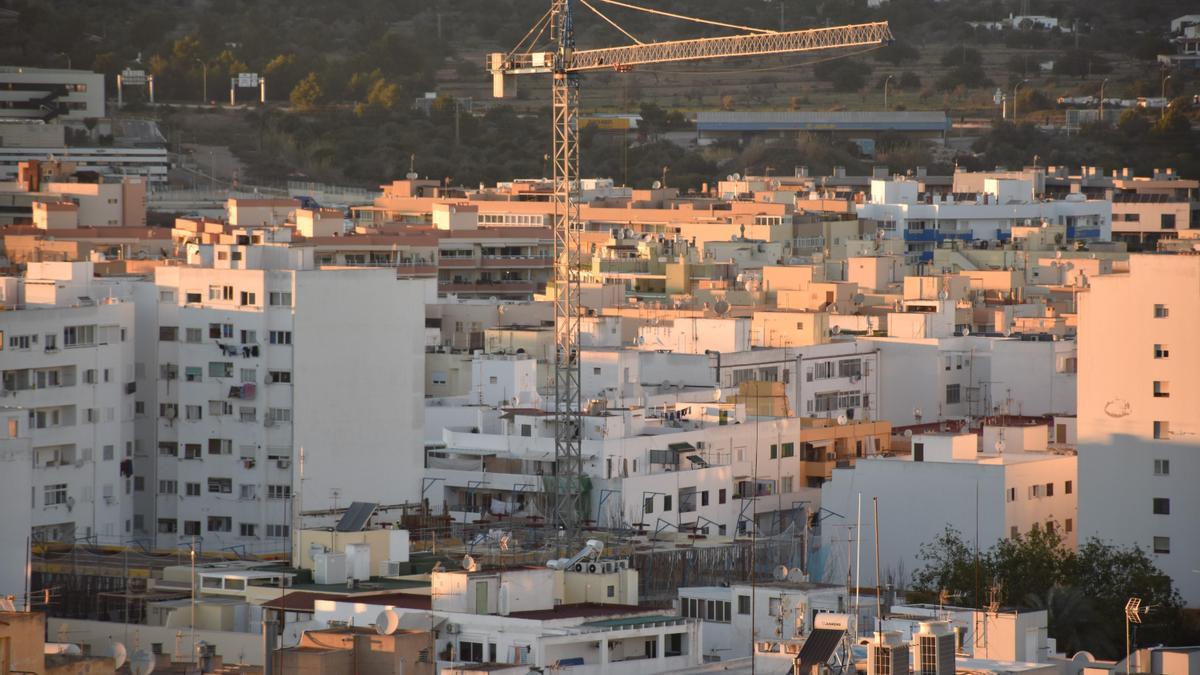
(886, 80)
(204, 74)
(68, 59)
(1166, 76)
(1102, 100)
(1014, 107)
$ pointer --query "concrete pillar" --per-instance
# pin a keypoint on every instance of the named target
(604, 652)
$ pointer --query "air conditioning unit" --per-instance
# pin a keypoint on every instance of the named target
(593, 568)
(622, 564)
(268, 421)
(283, 463)
(452, 629)
(392, 568)
(579, 567)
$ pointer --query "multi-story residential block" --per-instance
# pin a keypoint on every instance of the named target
(51, 93)
(258, 357)
(1138, 397)
(68, 366)
(899, 210)
(995, 485)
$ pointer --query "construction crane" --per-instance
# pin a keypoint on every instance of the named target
(558, 58)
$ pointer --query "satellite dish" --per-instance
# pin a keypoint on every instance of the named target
(721, 307)
(836, 330)
(842, 419)
(917, 414)
(469, 564)
(796, 575)
(966, 331)
(717, 394)
(387, 622)
(737, 176)
(908, 433)
(141, 663)
(858, 298)
(657, 185)
(781, 573)
(119, 655)
(729, 177)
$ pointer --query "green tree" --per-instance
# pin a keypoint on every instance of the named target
(1071, 615)
(962, 55)
(307, 93)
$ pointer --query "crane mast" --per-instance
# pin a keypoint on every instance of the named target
(564, 63)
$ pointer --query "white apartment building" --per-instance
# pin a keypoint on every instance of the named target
(67, 358)
(16, 477)
(258, 355)
(995, 492)
(50, 93)
(1138, 397)
(924, 221)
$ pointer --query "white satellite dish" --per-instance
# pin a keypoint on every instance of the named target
(842, 419)
(781, 573)
(119, 654)
(908, 433)
(836, 330)
(657, 185)
(718, 394)
(469, 564)
(796, 575)
(737, 176)
(387, 622)
(142, 663)
(966, 331)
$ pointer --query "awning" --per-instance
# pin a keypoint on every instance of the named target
(680, 447)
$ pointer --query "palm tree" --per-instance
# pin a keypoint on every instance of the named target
(1071, 617)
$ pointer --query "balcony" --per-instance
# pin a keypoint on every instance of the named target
(488, 288)
(517, 261)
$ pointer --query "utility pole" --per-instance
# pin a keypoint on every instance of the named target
(204, 73)
(1102, 100)
(1163, 112)
(886, 81)
(1014, 106)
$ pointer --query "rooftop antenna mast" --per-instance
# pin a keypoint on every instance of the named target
(565, 64)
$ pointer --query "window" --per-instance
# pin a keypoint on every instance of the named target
(774, 451)
(194, 335)
(277, 530)
(279, 415)
(687, 499)
(192, 489)
(220, 369)
(191, 451)
(193, 298)
(220, 446)
(721, 496)
(1167, 222)
(168, 333)
(1012, 495)
(786, 484)
(1068, 525)
(107, 453)
(1049, 489)
(666, 502)
(788, 450)
(168, 449)
(1162, 467)
(1161, 312)
(1162, 506)
(166, 296)
(743, 604)
(279, 299)
(220, 292)
(1162, 429)
(470, 651)
(1162, 389)
(167, 525)
(193, 412)
(1013, 532)
(704, 498)
(279, 491)
(246, 529)
(1069, 487)
(248, 298)
(55, 494)
(168, 487)
(850, 368)
(953, 393)
(220, 330)
(249, 337)
(191, 527)
(79, 336)
(1161, 352)
(280, 337)
(282, 376)
(648, 504)
(249, 375)
(918, 452)
(139, 483)
(1162, 544)
(193, 374)
(220, 485)
(1035, 491)
(219, 408)
(773, 606)
(220, 523)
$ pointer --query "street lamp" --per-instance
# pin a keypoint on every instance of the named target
(204, 74)
(1102, 99)
(1166, 76)
(68, 59)
(1015, 87)
(886, 80)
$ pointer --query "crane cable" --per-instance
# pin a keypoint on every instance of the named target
(612, 23)
(660, 12)
(542, 22)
